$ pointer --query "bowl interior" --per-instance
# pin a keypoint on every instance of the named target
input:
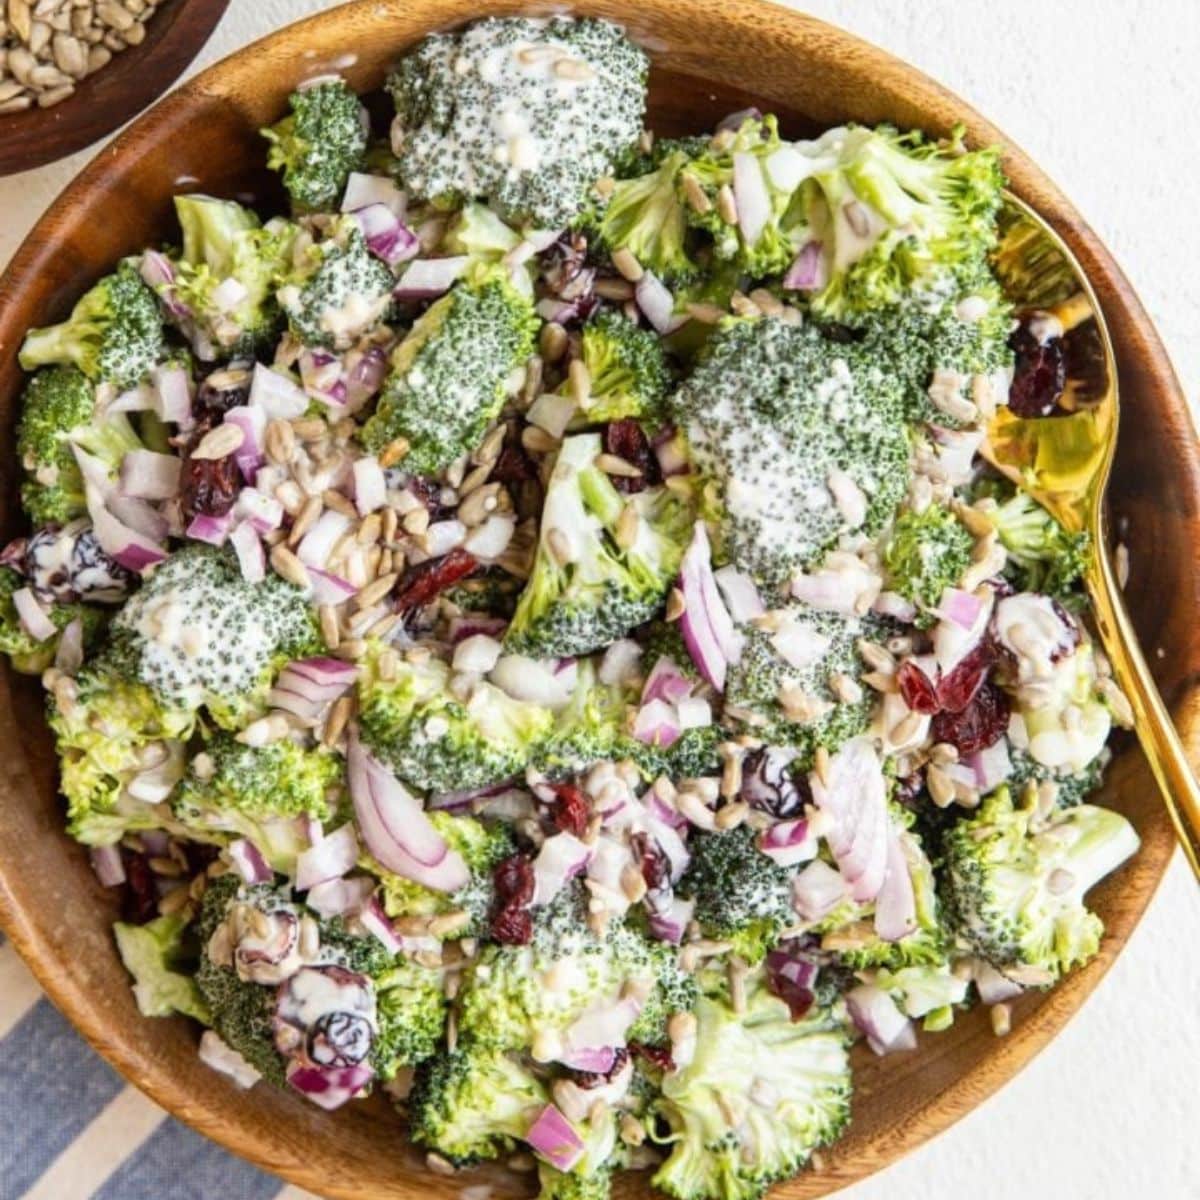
(711, 57)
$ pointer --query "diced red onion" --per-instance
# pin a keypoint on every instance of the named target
(620, 661)
(364, 190)
(276, 395)
(533, 681)
(148, 475)
(159, 274)
(465, 800)
(877, 1017)
(740, 594)
(318, 543)
(553, 1138)
(376, 922)
(817, 890)
(694, 712)
(132, 550)
(670, 923)
(657, 724)
(991, 767)
(665, 682)
(106, 862)
(328, 588)
(854, 794)
(892, 604)
(68, 657)
(953, 641)
(305, 688)
(598, 1030)
(256, 508)
(387, 237)
(428, 278)
(339, 897)
(329, 1087)
(249, 862)
(598, 1060)
(137, 399)
(365, 376)
(329, 859)
(657, 304)
(707, 628)
(560, 859)
(252, 560)
(252, 421)
(141, 516)
(750, 192)
(896, 904)
(174, 392)
(395, 828)
(34, 618)
(963, 608)
(228, 294)
(474, 625)
(490, 540)
(809, 271)
(994, 987)
(370, 485)
(789, 842)
(213, 530)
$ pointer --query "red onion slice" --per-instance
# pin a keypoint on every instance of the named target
(329, 859)
(307, 687)
(657, 304)
(249, 862)
(666, 682)
(896, 904)
(817, 890)
(106, 862)
(328, 588)
(553, 1138)
(387, 237)
(740, 594)
(708, 630)
(213, 530)
(247, 545)
(370, 485)
(657, 724)
(809, 272)
(560, 859)
(132, 550)
(318, 543)
(428, 278)
(363, 190)
(34, 618)
(340, 897)
(876, 1016)
(276, 395)
(147, 475)
(249, 456)
(264, 512)
(173, 389)
(669, 924)
(753, 199)
(376, 922)
(329, 1087)
(789, 842)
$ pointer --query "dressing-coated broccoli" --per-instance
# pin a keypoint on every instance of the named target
(320, 144)
(627, 370)
(528, 113)
(598, 573)
(27, 654)
(926, 553)
(1015, 883)
(113, 335)
(450, 375)
(411, 1002)
(1042, 556)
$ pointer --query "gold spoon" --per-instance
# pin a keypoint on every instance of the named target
(1064, 462)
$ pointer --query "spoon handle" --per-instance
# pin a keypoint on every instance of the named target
(1152, 722)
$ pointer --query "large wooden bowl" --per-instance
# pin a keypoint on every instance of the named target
(711, 56)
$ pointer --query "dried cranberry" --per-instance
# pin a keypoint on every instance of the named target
(513, 880)
(656, 869)
(626, 439)
(1039, 373)
(513, 466)
(957, 689)
(799, 999)
(587, 1080)
(339, 1039)
(656, 1056)
(140, 902)
(512, 927)
(200, 855)
(770, 785)
(429, 492)
(916, 688)
(423, 583)
(209, 486)
(981, 723)
(571, 811)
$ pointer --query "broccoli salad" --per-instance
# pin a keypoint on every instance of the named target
(530, 630)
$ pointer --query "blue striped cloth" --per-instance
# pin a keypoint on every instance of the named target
(72, 1129)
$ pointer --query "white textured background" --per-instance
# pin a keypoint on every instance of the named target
(1104, 95)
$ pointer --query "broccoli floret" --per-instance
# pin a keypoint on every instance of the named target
(597, 573)
(647, 216)
(791, 702)
(892, 213)
(931, 992)
(576, 1185)
(492, 592)
(803, 437)
(627, 369)
(451, 373)
(338, 290)
(198, 633)
(591, 728)
(319, 145)
(436, 741)
(758, 245)
(742, 895)
(1043, 556)
(251, 791)
(504, 1000)
(411, 1003)
(226, 276)
(1070, 788)
(1015, 883)
(695, 753)
(925, 553)
(58, 413)
(480, 234)
(28, 655)
(474, 1103)
(761, 1094)
(161, 966)
(482, 847)
(113, 335)
(556, 141)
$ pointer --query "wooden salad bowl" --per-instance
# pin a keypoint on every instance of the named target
(710, 57)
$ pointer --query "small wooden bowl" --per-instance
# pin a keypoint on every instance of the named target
(710, 57)
(135, 78)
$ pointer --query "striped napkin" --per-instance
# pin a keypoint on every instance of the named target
(72, 1129)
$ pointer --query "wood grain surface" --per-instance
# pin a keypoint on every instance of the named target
(710, 56)
(135, 78)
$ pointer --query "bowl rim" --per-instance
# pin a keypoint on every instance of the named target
(31, 937)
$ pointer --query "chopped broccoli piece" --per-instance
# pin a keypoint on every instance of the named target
(28, 655)
(932, 992)
(492, 592)
(338, 290)
(198, 633)
(152, 954)
(761, 1094)
(1043, 557)
(1071, 788)
(591, 728)
(437, 742)
(59, 413)
(1015, 884)
(557, 141)
(412, 1005)
(803, 437)
(892, 214)
(113, 335)
(226, 276)
(480, 234)
(451, 373)
(482, 848)
(925, 553)
(320, 144)
(474, 1103)
(595, 578)
(627, 369)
